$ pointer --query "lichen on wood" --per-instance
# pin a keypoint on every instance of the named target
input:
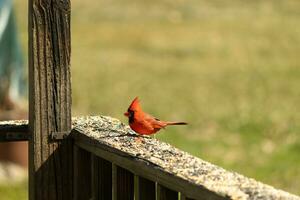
(163, 163)
(101, 132)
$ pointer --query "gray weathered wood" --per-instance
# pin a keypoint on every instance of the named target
(101, 179)
(16, 130)
(141, 167)
(50, 163)
(164, 193)
(160, 162)
(82, 174)
(144, 189)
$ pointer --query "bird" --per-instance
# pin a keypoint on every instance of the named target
(143, 123)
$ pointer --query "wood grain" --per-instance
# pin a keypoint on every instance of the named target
(143, 168)
(123, 184)
(159, 162)
(50, 163)
(101, 179)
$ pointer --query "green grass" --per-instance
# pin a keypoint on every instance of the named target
(16, 191)
(229, 68)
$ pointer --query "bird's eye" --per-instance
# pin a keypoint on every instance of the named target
(131, 113)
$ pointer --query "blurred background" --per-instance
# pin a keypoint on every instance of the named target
(229, 68)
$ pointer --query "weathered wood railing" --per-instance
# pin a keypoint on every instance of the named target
(111, 162)
(149, 169)
(100, 158)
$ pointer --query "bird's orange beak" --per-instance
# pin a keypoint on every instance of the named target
(126, 114)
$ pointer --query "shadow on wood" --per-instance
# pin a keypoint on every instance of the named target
(54, 178)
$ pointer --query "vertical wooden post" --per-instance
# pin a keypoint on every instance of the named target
(144, 189)
(164, 193)
(50, 162)
(101, 178)
(82, 174)
(122, 183)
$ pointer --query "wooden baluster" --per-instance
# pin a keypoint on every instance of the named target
(82, 174)
(164, 193)
(144, 189)
(123, 184)
(101, 179)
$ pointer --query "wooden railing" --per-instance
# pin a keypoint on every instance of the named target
(119, 165)
(100, 158)
(112, 162)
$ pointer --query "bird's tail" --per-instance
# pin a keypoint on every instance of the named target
(177, 123)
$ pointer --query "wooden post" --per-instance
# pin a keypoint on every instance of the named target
(50, 162)
(82, 174)
(164, 193)
(122, 183)
(101, 178)
(144, 189)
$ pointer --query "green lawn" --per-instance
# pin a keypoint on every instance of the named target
(17, 191)
(229, 68)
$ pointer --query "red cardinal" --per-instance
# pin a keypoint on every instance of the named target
(143, 123)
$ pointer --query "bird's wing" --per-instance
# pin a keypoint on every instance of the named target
(154, 122)
(146, 124)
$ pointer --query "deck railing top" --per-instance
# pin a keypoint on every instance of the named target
(157, 161)
(161, 162)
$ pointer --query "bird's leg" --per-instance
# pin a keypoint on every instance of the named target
(139, 139)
